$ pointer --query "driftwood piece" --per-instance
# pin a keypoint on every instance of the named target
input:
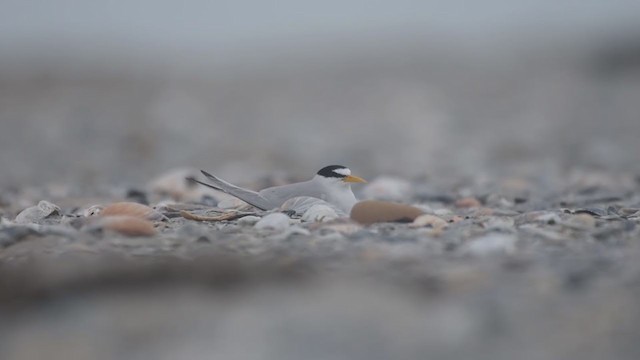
(231, 215)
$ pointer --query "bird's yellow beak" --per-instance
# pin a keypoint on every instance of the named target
(353, 179)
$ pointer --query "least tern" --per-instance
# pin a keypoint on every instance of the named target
(331, 184)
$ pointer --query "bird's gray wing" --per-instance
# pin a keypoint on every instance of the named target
(248, 196)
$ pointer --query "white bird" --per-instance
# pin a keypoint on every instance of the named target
(331, 184)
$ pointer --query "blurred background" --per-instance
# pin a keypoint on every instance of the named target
(120, 91)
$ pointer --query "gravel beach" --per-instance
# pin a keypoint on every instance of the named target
(528, 268)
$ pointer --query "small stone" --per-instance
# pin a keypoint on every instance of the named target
(132, 209)
(468, 202)
(249, 220)
(442, 212)
(545, 217)
(124, 225)
(581, 222)
(455, 219)
(319, 213)
(277, 222)
(374, 211)
(428, 220)
(37, 213)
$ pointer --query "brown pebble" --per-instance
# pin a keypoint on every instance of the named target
(127, 225)
(468, 202)
(374, 211)
(131, 209)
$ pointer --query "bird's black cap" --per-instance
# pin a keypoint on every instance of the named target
(330, 171)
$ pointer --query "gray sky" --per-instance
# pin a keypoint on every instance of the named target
(143, 29)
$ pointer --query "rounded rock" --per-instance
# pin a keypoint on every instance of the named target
(375, 211)
(276, 222)
(125, 225)
(132, 209)
(248, 220)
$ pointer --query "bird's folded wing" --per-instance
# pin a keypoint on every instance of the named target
(248, 196)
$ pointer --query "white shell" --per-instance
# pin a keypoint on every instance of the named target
(387, 188)
(276, 222)
(92, 210)
(36, 213)
(429, 220)
(320, 213)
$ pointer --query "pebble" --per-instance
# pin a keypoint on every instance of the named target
(132, 209)
(442, 212)
(544, 217)
(249, 220)
(124, 225)
(581, 222)
(468, 202)
(375, 211)
(319, 213)
(387, 188)
(277, 222)
(37, 213)
(428, 220)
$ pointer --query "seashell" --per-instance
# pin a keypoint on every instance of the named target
(319, 213)
(428, 220)
(125, 225)
(277, 221)
(387, 188)
(37, 213)
(132, 209)
(302, 204)
(468, 202)
(375, 211)
(92, 210)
